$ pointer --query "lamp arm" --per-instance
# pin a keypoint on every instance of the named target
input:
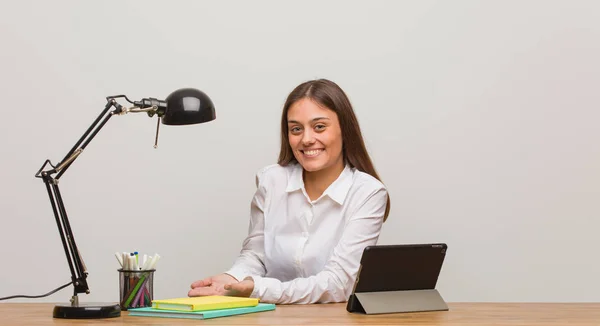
(94, 128)
(76, 265)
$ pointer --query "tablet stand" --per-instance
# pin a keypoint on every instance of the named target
(396, 301)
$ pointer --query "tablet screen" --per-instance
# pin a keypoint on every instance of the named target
(400, 267)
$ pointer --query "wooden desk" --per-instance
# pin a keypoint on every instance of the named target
(335, 314)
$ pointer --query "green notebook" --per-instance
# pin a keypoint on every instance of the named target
(206, 314)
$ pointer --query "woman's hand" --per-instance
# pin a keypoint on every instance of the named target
(241, 289)
(214, 285)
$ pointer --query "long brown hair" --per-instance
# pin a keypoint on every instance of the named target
(330, 95)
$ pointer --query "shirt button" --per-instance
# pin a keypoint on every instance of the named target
(305, 234)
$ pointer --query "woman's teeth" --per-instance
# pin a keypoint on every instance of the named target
(313, 152)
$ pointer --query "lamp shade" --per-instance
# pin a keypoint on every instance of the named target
(188, 106)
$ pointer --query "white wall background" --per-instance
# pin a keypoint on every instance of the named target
(481, 116)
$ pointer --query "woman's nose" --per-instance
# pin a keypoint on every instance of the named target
(308, 138)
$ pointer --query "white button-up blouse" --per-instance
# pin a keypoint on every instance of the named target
(303, 251)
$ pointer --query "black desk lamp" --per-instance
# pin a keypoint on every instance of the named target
(184, 106)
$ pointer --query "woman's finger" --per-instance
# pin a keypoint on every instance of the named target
(202, 283)
(201, 291)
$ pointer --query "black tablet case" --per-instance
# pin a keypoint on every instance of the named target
(398, 278)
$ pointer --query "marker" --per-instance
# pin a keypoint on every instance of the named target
(154, 261)
(131, 261)
(146, 263)
(133, 264)
(124, 260)
(119, 258)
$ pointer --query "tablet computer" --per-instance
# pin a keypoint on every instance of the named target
(398, 270)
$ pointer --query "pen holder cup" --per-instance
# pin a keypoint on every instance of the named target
(136, 288)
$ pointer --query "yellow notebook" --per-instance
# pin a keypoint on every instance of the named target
(204, 303)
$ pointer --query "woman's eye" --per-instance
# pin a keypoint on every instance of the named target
(319, 127)
(295, 129)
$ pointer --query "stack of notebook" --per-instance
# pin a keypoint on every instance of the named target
(201, 307)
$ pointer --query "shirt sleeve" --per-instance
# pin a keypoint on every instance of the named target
(251, 257)
(335, 282)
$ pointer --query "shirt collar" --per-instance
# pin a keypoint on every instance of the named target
(295, 181)
(336, 191)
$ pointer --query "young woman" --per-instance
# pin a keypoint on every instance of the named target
(314, 212)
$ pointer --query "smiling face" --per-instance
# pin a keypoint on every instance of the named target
(315, 136)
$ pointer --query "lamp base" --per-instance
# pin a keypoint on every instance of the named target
(87, 311)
